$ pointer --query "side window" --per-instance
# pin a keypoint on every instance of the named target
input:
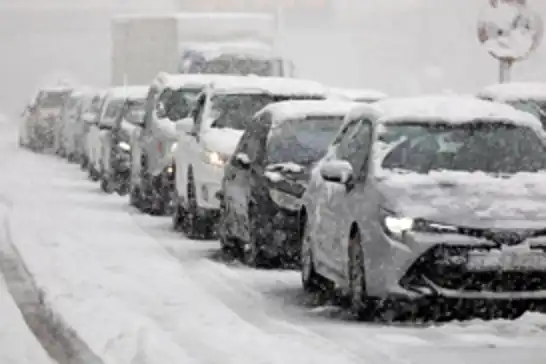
(355, 146)
(347, 128)
(258, 130)
(112, 109)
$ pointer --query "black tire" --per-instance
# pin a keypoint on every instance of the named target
(228, 244)
(83, 162)
(195, 226)
(106, 185)
(93, 174)
(135, 199)
(123, 189)
(253, 254)
(177, 216)
(362, 306)
(312, 281)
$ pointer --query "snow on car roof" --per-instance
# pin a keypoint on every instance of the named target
(176, 81)
(515, 91)
(356, 94)
(272, 85)
(298, 109)
(136, 92)
(442, 109)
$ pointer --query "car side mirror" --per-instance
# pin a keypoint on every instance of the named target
(242, 160)
(337, 172)
(89, 118)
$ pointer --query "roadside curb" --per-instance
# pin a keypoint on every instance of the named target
(60, 341)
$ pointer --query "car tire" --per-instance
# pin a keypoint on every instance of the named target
(122, 189)
(253, 254)
(362, 306)
(177, 216)
(228, 244)
(312, 281)
(106, 185)
(195, 226)
(135, 198)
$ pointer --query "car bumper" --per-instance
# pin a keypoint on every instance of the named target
(437, 265)
(208, 182)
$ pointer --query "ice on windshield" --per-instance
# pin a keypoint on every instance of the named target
(496, 148)
(234, 111)
(302, 141)
(135, 112)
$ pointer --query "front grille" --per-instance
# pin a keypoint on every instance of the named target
(445, 267)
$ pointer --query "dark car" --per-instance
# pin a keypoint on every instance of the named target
(267, 175)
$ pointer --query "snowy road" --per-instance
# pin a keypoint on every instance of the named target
(137, 293)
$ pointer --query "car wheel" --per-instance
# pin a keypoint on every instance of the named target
(363, 307)
(312, 282)
(177, 216)
(122, 189)
(135, 198)
(106, 185)
(194, 225)
(228, 244)
(253, 254)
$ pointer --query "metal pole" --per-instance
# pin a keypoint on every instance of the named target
(505, 68)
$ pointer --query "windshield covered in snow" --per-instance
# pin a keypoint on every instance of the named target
(302, 141)
(134, 111)
(53, 99)
(536, 108)
(496, 148)
(235, 111)
(177, 104)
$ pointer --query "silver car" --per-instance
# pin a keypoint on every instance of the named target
(428, 200)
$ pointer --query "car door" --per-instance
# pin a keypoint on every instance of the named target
(192, 144)
(244, 179)
(356, 151)
(325, 191)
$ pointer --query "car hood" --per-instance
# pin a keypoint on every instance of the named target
(473, 200)
(222, 140)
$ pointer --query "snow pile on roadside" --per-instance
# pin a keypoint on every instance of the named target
(19, 346)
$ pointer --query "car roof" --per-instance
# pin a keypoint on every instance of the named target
(444, 109)
(128, 92)
(515, 91)
(56, 89)
(272, 85)
(298, 109)
(357, 94)
(176, 81)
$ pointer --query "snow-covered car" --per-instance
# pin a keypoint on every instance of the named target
(117, 145)
(426, 199)
(64, 133)
(98, 132)
(267, 175)
(524, 96)
(43, 117)
(207, 139)
(89, 116)
(356, 94)
(171, 98)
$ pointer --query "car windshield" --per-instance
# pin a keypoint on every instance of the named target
(302, 141)
(134, 112)
(177, 104)
(234, 111)
(496, 148)
(53, 99)
(536, 108)
(238, 65)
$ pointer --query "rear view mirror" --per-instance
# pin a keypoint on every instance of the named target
(337, 172)
(242, 160)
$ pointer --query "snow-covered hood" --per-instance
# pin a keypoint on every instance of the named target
(222, 140)
(468, 199)
(49, 112)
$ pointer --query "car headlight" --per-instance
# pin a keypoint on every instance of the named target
(215, 158)
(396, 226)
(173, 147)
(124, 146)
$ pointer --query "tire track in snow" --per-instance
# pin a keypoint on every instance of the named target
(57, 338)
(251, 306)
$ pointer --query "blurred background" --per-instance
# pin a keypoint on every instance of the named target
(399, 46)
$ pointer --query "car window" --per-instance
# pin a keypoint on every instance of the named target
(113, 108)
(355, 146)
(177, 104)
(53, 99)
